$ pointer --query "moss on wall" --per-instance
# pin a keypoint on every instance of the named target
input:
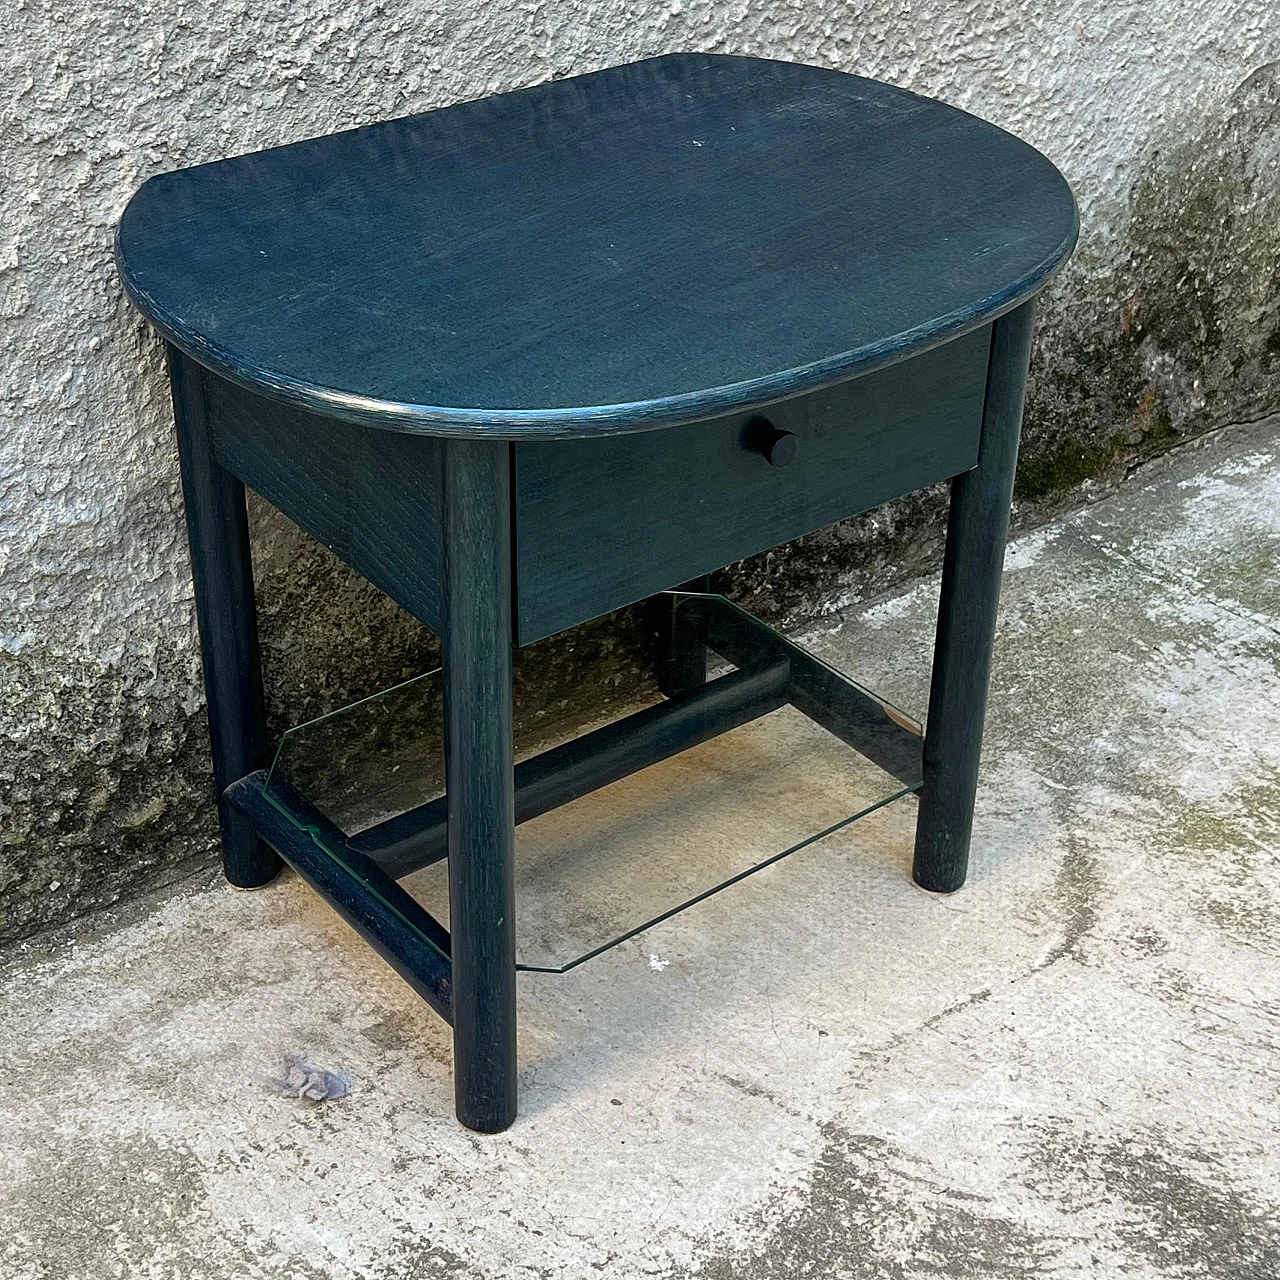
(1179, 332)
(106, 793)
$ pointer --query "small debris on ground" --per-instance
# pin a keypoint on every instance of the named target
(657, 963)
(303, 1079)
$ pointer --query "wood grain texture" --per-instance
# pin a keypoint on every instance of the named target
(604, 522)
(372, 497)
(222, 576)
(645, 246)
(977, 531)
(475, 484)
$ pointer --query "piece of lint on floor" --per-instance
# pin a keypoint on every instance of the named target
(304, 1080)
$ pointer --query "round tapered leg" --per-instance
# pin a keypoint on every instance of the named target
(222, 572)
(977, 529)
(479, 778)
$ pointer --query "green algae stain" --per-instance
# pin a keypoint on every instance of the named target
(1235, 843)
(1176, 329)
(1042, 476)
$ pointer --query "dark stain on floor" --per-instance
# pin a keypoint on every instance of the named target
(1076, 888)
(126, 1206)
(1137, 1203)
(870, 1212)
(1178, 1209)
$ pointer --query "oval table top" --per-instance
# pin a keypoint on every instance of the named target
(636, 248)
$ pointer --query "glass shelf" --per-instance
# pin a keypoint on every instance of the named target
(620, 860)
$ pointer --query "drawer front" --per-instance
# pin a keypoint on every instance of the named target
(603, 522)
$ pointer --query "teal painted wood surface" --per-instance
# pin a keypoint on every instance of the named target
(645, 246)
(822, 286)
(601, 523)
(372, 497)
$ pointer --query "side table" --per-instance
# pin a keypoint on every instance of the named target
(528, 359)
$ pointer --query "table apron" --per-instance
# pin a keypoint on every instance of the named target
(603, 522)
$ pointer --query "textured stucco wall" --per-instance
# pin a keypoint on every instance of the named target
(1164, 116)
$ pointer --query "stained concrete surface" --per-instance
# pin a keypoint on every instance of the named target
(1071, 1067)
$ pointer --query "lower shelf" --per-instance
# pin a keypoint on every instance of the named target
(761, 782)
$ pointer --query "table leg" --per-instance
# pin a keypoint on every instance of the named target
(222, 571)
(476, 587)
(682, 661)
(977, 530)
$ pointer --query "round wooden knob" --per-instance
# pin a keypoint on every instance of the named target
(777, 447)
(781, 450)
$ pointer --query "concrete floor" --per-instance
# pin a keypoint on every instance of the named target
(1071, 1067)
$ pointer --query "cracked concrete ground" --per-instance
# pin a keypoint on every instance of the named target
(1071, 1067)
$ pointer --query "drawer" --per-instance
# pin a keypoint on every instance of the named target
(603, 522)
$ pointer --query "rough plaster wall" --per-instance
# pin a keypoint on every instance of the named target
(1164, 116)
